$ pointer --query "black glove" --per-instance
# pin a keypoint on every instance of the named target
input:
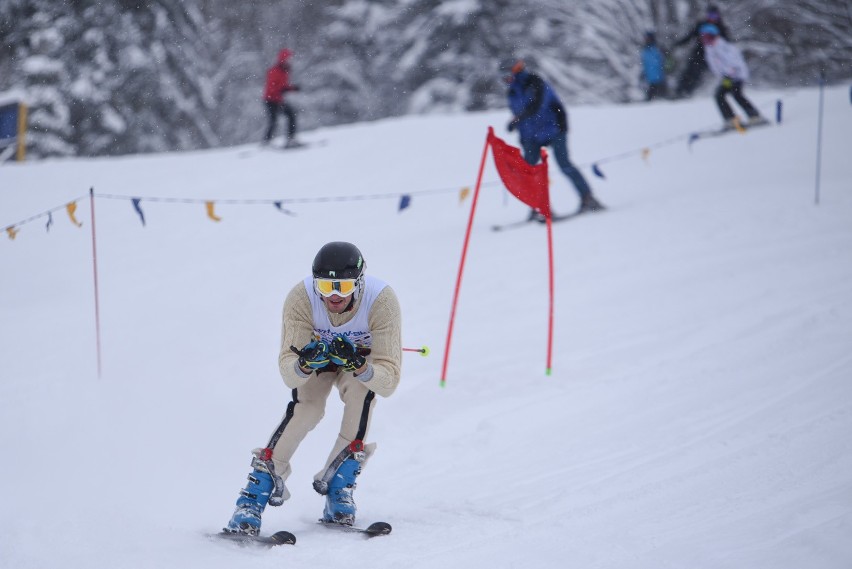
(314, 355)
(344, 353)
(513, 124)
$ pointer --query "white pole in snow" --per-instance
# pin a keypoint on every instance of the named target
(819, 137)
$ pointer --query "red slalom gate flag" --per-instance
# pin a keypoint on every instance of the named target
(530, 185)
(526, 182)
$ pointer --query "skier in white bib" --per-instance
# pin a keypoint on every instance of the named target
(341, 328)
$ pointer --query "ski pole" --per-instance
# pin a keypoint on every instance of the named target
(424, 351)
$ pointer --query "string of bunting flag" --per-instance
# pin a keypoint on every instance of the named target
(210, 204)
(70, 208)
(405, 199)
(644, 152)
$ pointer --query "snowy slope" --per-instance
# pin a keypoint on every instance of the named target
(698, 414)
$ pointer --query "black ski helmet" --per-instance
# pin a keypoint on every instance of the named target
(338, 260)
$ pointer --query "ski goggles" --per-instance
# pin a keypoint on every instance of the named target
(340, 287)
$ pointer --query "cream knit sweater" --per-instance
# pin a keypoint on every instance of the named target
(385, 320)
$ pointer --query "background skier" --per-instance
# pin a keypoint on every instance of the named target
(726, 61)
(541, 120)
(348, 326)
(278, 83)
(695, 62)
(653, 68)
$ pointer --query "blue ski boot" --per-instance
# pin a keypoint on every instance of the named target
(251, 503)
(264, 487)
(339, 504)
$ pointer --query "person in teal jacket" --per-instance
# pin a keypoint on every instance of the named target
(653, 68)
(541, 120)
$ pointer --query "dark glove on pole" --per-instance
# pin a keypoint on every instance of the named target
(314, 355)
(344, 353)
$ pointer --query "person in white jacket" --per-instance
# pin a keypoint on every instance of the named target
(726, 62)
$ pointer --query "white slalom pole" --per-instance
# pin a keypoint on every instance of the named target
(819, 137)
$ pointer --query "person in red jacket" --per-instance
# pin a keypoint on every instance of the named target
(278, 83)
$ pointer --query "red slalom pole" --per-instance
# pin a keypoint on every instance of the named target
(464, 255)
(549, 364)
(95, 270)
(550, 279)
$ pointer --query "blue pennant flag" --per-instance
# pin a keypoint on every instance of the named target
(597, 171)
(49, 221)
(138, 209)
(404, 202)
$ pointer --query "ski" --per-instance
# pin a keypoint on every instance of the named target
(725, 130)
(553, 219)
(279, 148)
(277, 538)
(558, 218)
(299, 145)
(512, 224)
(373, 530)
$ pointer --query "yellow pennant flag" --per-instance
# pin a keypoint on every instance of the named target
(645, 153)
(71, 208)
(210, 213)
(12, 232)
(463, 194)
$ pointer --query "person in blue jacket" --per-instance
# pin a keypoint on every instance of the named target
(541, 120)
(653, 68)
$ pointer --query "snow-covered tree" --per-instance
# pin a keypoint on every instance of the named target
(129, 76)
